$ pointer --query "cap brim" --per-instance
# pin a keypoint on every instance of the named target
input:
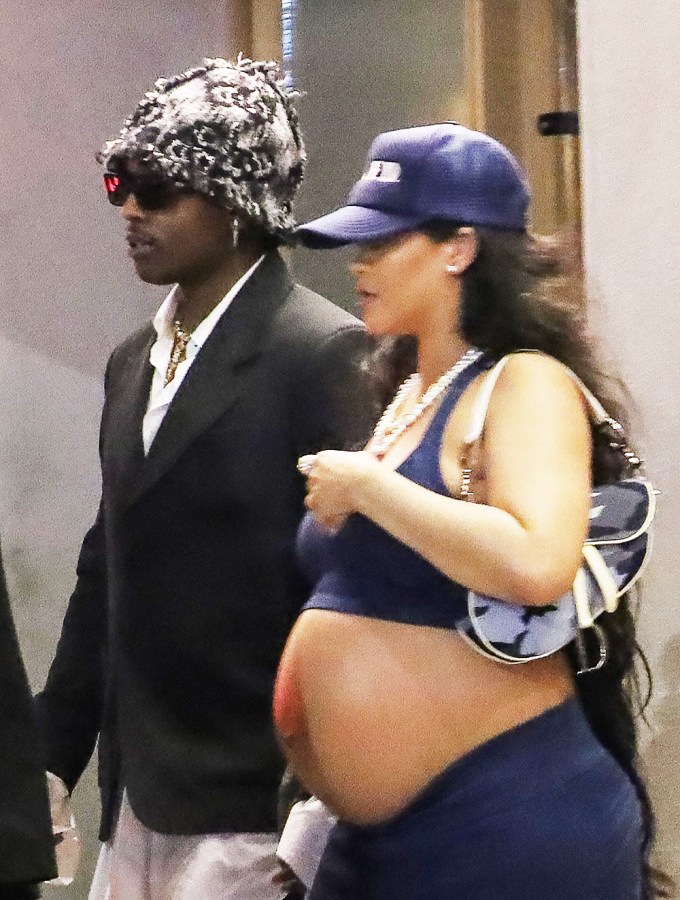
(353, 225)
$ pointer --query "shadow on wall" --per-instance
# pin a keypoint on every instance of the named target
(661, 758)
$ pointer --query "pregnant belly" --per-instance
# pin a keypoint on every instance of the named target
(368, 712)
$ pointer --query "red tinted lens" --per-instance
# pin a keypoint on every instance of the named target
(115, 191)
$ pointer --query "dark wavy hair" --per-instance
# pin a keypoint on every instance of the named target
(525, 292)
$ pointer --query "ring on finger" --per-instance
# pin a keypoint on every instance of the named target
(305, 463)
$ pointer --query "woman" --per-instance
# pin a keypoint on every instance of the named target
(455, 776)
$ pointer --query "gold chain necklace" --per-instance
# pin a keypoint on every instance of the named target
(180, 339)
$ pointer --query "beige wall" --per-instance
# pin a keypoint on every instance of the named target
(630, 96)
(71, 72)
(513, 76)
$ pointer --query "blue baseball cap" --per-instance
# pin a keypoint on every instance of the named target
(430, 172)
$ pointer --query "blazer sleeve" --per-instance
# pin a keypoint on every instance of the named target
(340, 404)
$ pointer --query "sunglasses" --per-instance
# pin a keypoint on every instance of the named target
(149, 193)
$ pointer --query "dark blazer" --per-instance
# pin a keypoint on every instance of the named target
(26, 847)
(187, 585)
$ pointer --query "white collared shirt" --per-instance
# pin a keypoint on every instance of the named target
(161, 394)
(137, 862)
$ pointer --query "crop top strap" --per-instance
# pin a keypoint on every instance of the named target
(435, 432)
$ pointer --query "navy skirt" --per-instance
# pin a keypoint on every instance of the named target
(540, 812)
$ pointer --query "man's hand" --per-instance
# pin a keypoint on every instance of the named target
(66, 838)
(286, 879)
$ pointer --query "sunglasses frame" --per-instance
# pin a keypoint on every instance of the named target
(151, 194)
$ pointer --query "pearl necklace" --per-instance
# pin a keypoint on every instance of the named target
(391, 425)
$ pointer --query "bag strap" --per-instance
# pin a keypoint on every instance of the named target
(598, 414)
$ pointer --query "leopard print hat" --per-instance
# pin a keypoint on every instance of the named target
(226, 130)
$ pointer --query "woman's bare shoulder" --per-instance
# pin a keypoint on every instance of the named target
(536, 379)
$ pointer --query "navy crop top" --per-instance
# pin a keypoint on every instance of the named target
(361, 569)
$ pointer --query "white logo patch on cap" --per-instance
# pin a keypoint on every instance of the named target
(383, 171)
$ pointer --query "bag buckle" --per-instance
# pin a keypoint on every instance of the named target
(585, 665)
(618, 441)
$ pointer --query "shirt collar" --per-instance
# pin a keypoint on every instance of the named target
(164, 318)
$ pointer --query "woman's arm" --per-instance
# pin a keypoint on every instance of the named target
(524, 543)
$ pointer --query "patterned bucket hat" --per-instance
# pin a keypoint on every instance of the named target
(228, 131)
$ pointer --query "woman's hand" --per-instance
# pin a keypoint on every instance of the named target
(334, 483)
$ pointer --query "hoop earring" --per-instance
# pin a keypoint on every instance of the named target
(235, 225)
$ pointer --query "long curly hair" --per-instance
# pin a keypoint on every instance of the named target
(525, 292)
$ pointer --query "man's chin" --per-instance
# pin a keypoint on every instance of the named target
(151, 276)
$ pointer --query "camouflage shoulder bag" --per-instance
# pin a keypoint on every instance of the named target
(615, 552)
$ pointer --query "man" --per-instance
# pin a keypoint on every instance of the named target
(187, 585)
(26, 845)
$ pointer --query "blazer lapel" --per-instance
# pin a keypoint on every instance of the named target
(127, 400)
(212, 383)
